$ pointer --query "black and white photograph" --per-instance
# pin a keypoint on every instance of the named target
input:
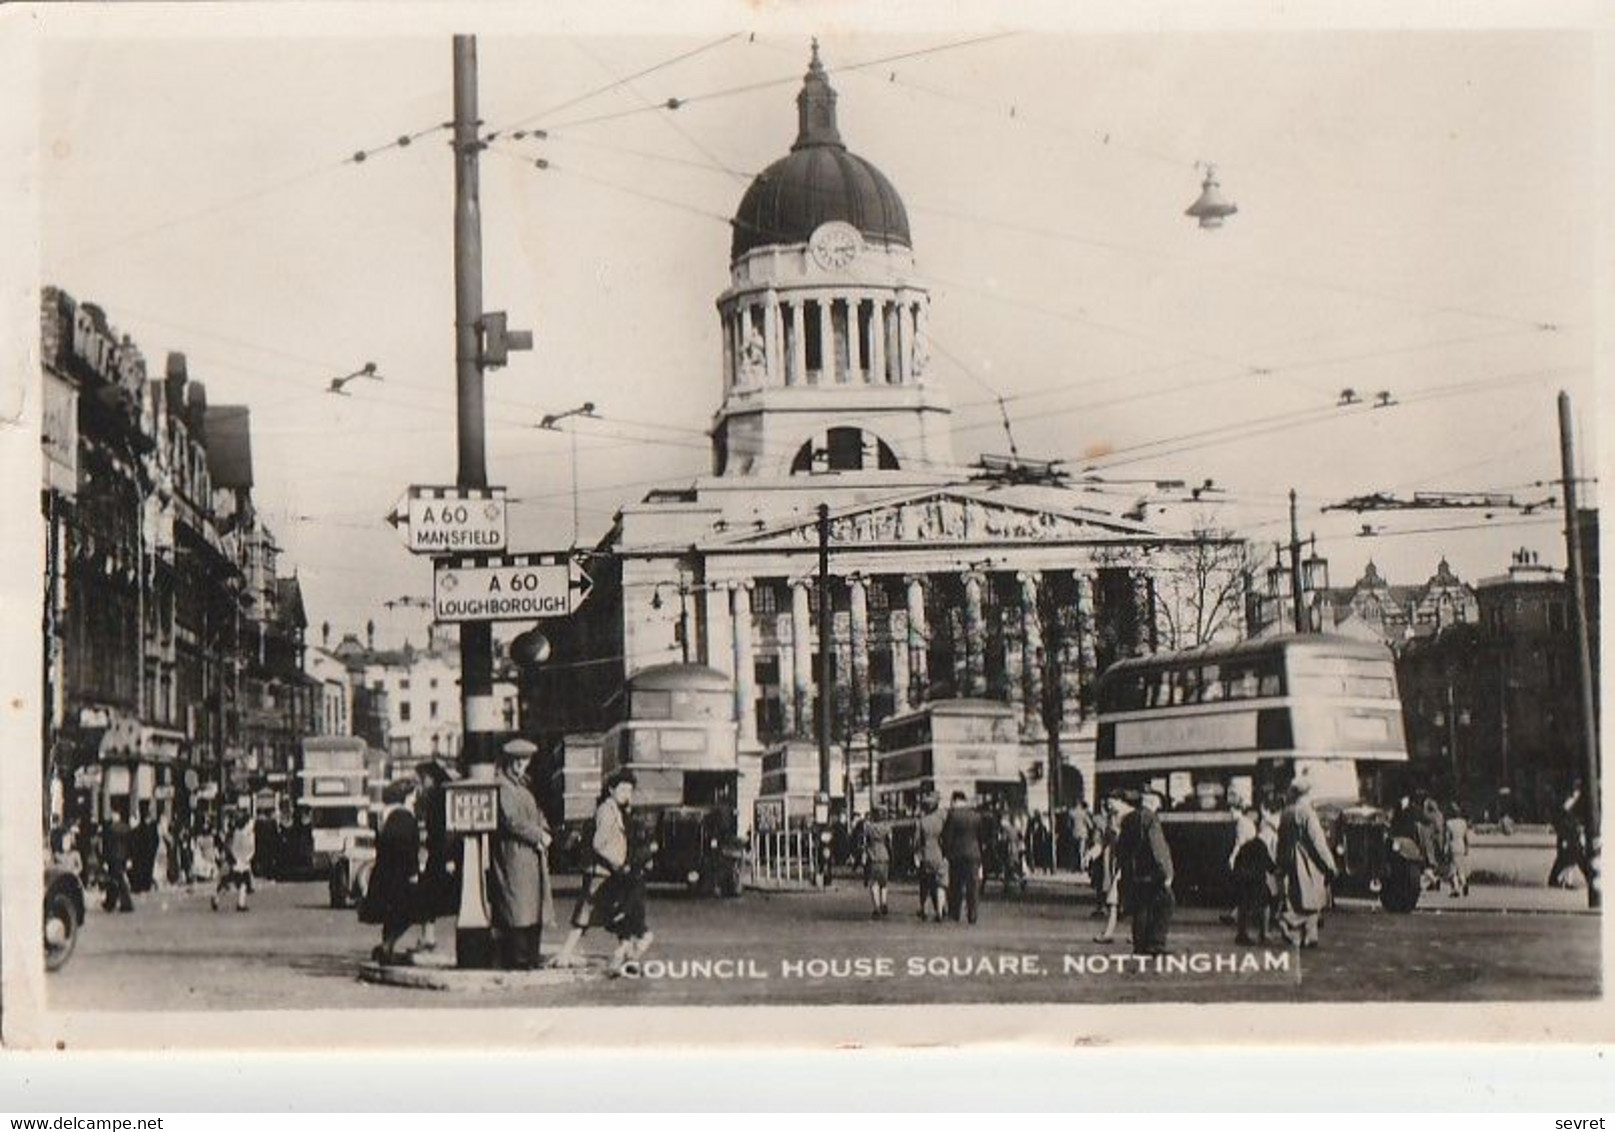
(594, 518)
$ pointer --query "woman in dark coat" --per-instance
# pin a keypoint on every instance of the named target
(391, 898)
(439, 887)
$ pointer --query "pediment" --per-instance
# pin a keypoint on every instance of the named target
(945, 517)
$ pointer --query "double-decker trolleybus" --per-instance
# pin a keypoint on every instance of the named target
(680, 740)
(332, 792)
(1220, 728)
(965, 745)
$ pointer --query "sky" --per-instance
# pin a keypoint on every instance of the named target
(1416, 215)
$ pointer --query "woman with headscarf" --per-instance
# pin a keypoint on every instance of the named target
(439, 883)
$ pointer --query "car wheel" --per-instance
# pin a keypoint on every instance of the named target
(61, 931)
(731, 881)
(339, 886)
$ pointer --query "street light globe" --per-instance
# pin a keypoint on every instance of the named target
(530, 649)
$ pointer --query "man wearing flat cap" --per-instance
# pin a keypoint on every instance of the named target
(519, 877)
(1306, 867)
(1146, 874)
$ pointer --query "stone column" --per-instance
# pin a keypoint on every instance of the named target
(921, 363)
(802, 657)
(866, 338)
(877, 336)
(729, 360)
(745, 666)
(919, 659)
(787, 675)
(827, 342)
(1082, 652)
(905, 339)
(1031, 655)
(771, 353)
(798, 374)
(712, 634)
(858, 640)
(897, 629)
(975, 634)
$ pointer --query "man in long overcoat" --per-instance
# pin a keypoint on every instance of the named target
(1146, 875)
(518, 874)
(1306, 867)
(961, 844)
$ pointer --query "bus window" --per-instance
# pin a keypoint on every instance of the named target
(1239, 681)
(1332, 779)
(1126, 693)
(652, 705)
(1180, 789)
(1270, 680)
(1189, 686)
(1211, 689)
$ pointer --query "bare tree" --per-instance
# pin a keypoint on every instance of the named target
(1200, 589)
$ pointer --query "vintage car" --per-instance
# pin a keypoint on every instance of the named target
(350, 868)
(64, 915)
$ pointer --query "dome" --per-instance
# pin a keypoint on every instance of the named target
(679, 678)
(818, 181)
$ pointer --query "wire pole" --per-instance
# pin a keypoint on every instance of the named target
(1584, 664)
(574, 433)
(826, 653)
(473, 934)
(1295, 566)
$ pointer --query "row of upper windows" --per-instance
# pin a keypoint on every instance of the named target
(1260, 677)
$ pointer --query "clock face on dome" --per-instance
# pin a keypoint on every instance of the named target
(835, 244)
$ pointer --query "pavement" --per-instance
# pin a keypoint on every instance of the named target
(1499, 898)
(823, 947)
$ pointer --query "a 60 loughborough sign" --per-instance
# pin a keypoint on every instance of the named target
(506, 587)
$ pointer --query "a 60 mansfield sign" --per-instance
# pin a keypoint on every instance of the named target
(507, 587)
(446, 520)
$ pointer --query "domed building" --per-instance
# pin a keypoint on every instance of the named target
(945, 584)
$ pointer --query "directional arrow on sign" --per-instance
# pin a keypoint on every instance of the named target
(451, 520)
(581, 582)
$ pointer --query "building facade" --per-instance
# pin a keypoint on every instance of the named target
(1490, 704)
(406, 701)
(943, 582)
(147, 597)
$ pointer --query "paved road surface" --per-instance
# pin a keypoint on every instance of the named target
(292, 950)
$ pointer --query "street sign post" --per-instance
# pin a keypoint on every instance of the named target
(447, 520)
(507, 587)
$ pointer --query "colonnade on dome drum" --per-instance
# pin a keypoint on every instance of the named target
(824, 336)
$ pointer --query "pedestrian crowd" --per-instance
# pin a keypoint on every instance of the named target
(404, 893)
(161, 852)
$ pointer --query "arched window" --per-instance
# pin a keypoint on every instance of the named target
(846, 450)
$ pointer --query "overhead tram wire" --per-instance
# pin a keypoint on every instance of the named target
(669, 118)
(1297, 417)
(207, 211)
(1497, 524)
(1279, 371)
(676, 103)
(1302, 418)
(616, 83)
(1010, 111)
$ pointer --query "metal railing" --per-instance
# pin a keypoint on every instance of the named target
(782, 859)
